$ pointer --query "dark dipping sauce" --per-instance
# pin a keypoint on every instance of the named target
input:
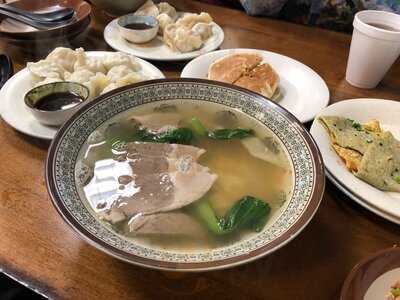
(138, 26)
(58, 101)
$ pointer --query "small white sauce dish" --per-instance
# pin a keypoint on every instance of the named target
(55, 90)
(138, 29)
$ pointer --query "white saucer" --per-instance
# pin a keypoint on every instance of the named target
(361, 110)
(360, 201)
(14, 112)
(303, 92)
(156, 49)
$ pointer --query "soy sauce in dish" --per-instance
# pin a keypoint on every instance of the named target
(58, 101)
(138, 26)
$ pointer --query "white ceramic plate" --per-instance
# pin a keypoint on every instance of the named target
(361, 110)
(14, 112)
(303, 92)
(156, 49)
(360, 201)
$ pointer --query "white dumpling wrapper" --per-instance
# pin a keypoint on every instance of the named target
(48, 80)
(148, 9)
(187, 40)
(127, 79)
(203, 29)
(118, 59)
(166, 8)
(189, 20)
(65, 57)
(110, 87)
(130, 79)
(182, 39)
(96, 84)
(79, 76)
(118, 72)
(163, 21)
(44, 68)
(93, 64)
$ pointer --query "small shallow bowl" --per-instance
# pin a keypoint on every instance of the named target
(138, 36)
(283, 226)
(57, 117)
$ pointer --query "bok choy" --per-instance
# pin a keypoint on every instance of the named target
(247, 213)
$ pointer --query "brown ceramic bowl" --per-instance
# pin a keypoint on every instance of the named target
(11, 31)
(367, 271)
(286, 223)
(118, 7)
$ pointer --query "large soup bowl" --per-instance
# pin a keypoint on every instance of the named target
(283, 225)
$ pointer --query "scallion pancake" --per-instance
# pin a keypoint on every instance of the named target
(369, 153)
(380, 163)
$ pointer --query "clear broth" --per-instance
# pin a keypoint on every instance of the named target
(239, 174)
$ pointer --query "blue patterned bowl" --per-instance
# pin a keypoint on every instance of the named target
(307, 165)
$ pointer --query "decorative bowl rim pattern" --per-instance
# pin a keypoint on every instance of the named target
(308, 168)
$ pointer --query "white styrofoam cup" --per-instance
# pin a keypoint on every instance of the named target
(373, 50)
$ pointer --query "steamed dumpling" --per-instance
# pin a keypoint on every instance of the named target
(92, 64)
(65, 57)
(48, 80)
(204, 29)
(165, 8)
(163, 21)
(188, 33)
(96, 84)
(118, 72)
(121, 59)
(190, 20)
(187, 40)
(79, 76)
(110, 87)
(110, 71)
(45, 68)
(130, 78)
(148, 9)
(182, 39)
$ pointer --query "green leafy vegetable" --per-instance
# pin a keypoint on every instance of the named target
(397, 179)
(175, 136)
(226, 134)
(118, 134)
(395, 292)
(355, 125)
(204, 212)
(198, 127)
(247, 213)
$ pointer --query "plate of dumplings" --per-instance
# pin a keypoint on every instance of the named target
(99, 71)
(181, 35)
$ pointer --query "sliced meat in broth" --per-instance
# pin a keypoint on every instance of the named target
(171, 223)
(159, 122)
(162, 178)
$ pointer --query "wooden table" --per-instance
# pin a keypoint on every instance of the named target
(40, 250)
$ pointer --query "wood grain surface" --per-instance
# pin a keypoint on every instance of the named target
(39, 249)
